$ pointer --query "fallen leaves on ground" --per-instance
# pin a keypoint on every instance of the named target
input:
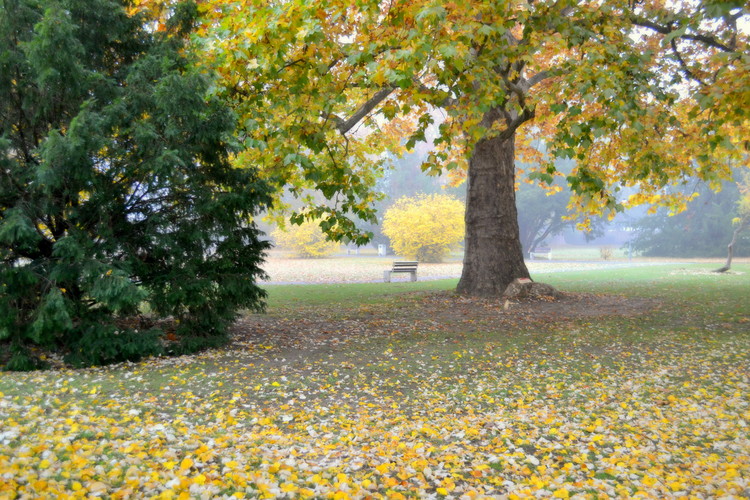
(395, 405)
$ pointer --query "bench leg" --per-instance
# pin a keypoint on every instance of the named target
(387, 276)
(413, 275)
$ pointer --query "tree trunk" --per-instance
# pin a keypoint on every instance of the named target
(730, 248)
(493, 256)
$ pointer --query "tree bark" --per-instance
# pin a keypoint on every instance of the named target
(493, 255)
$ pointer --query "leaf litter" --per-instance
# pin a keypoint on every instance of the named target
(441, 397)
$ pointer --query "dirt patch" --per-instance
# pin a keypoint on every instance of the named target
(539, 309)
(419, 313)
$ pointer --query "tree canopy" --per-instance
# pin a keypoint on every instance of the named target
(642, 94)
(619, 81)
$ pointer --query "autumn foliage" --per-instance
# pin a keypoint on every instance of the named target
(305, 240)
(425, 227)
(642, 95)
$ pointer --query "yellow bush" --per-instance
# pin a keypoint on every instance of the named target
(306, 240)
(425, 227)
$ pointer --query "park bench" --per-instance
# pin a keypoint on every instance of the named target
(541, 252)
(402, 267)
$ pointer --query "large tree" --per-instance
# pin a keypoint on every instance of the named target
(631, 89)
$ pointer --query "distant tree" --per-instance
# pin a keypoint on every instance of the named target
(116, 189)
(693, 232)
(306, 240)
(544, 212)
(741, 222)
(425, 227)
(540, 214)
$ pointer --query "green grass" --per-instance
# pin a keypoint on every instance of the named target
(348, 296)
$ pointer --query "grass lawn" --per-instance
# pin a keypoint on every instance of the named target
(637, 384)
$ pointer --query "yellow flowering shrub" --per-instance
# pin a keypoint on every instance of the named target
(306, 240)
(425, 227)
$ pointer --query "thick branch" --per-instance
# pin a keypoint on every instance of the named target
(527, 83)
(516, 122)
(345, 126)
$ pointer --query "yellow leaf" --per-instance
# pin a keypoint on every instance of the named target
(561, 493)
(648, 481)
(186, 463)
(289, 488)
(382, 468)
(442, 491)
(676, 486)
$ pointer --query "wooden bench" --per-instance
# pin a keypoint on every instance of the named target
(541, 252)
(402, 267)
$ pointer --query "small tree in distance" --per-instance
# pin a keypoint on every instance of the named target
(741, 222)
(425, 227)
(306, 240)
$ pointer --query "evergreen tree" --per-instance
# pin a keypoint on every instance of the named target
(115, 189)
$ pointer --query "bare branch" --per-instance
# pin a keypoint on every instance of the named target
(707, 40)
(688, 72)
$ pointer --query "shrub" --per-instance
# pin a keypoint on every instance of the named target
(606, 253)
(305, 240)
(425, 227)
(118, 192)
